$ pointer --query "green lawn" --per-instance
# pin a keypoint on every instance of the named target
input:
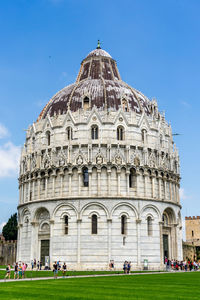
(33, 274)
(158, 286)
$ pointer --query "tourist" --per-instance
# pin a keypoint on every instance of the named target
(125, 267)
(32, 264)
(20, 271)
(111, 265)
(55, 270)
(23, 270)
(38, 265)
(16, 271)
(166, 260)
(7, 271)
(168, 265)
(128, 267)
(64, 269)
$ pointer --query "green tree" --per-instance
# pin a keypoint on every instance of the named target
(10, 229)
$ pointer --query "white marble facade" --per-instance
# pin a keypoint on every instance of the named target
(100, 185)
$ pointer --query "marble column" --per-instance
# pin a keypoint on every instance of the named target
(79, 243)
(118, 182)
(138, 224)
(39, 183)
(109, 221)
(161, 245)
(79, 182)
(51, 242)
(98, 182)
(127, 182)
(137, 183)
(61, 183)
(109, 182)
(159, 188)
(70, 182)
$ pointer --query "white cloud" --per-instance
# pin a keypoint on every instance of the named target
(3, 131)
(9, 160)
(183, 195)
(185, 104)
(1, 226)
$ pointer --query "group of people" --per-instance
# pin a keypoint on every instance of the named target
(19, 271)
(127, 267)
(186, 265)
(57, 267)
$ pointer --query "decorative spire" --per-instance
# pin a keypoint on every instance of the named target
(98, 45)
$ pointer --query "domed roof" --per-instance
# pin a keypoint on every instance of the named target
(99, 82)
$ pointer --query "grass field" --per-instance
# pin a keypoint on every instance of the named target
(155, 286)
(34, 274)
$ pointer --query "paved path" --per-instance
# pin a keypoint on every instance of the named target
(86, 276)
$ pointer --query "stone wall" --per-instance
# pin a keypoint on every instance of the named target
(8, 250)
(192, 228)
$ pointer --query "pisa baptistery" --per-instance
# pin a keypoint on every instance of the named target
(99, 176)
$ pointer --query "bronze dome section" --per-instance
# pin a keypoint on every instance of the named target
(99, 81)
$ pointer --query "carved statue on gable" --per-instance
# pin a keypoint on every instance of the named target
(118, 160)
(79, 160)
(136, 161)
(99, 159)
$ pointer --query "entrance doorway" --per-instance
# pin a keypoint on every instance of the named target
(44, 250)
(165, 246)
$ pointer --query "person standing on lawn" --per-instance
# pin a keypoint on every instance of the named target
(55, 270)
(8, 271)
(16, 271)
(64, 269)
(32, 264)
(128, 267)
(20, 271)
(23, 270)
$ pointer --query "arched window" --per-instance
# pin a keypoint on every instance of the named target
(66, 224)
(132, 178)
(192, 233)
(120, 133)
(85, 177)
(94, 224)
(69, 133)
(48, 135)
(123, 224)
(125, 105)
(94, 132)
(86, 103)
(149, 226)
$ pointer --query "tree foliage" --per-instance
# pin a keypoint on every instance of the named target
(10, 229)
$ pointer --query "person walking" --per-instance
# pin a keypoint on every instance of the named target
(55, 270)
(7, 272)
(32, 264)
(16, 271)
(125, 267)
(64, 270)
(23, 270)
(20, 271)
(38, 265)
(128, 267)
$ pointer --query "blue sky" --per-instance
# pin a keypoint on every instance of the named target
(156, 44)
